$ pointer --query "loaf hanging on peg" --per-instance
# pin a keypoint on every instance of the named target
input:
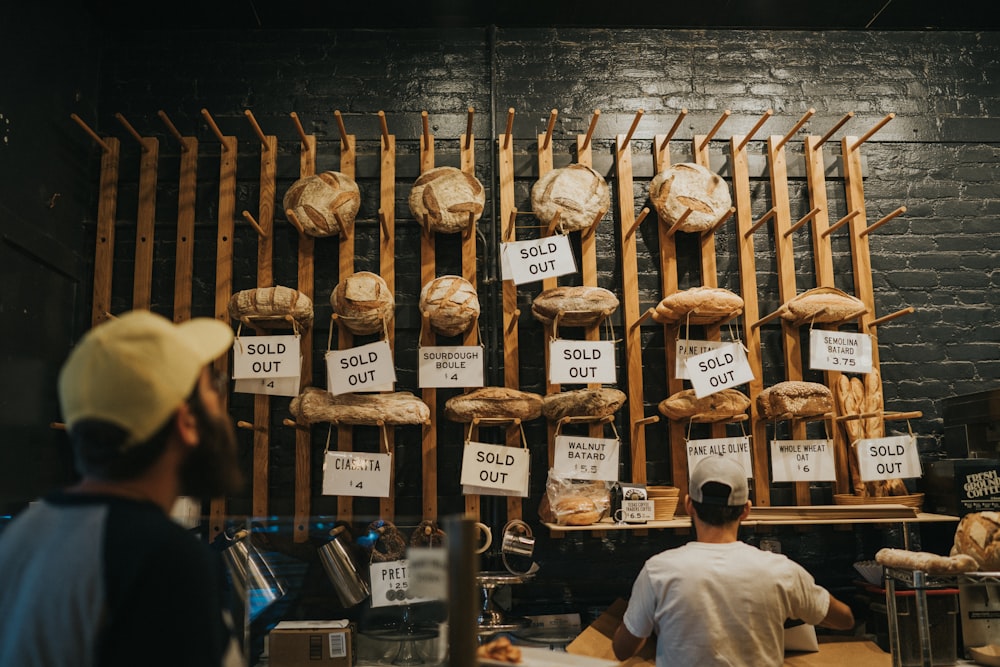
(795, 398)
(698, 305)
(318, 405)
(325, 204)
(576, 306)
(272, 307)
(822, 305)
(447, 200)
(451, 305)
(577, 193)
(689, 186)
(363, 302)
(725, 405)
(599, 402)
(493, 403)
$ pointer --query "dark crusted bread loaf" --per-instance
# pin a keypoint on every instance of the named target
(599, 402)
(795, 399)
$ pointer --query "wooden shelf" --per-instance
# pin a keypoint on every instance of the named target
(685, 522)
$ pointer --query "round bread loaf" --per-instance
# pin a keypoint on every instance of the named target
(578, 306)
(450, 303)
(597, 403)
(495, 403)
(725, 405)
(363, 302)
(444, 198)
(687, 185)
(270, 307)
(822, 305)
(315, 405)
(319, 200)
(698, 305)
(577, 193)
(576, 511)
(795, 398)
(978, 535)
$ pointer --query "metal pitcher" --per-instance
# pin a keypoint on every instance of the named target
(253, 578)
(341, 569)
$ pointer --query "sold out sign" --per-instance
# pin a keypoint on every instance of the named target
(888, 458)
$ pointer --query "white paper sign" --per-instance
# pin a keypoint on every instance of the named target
(428, 570)
(685, 349)
(582, 362)
(722, 368)
(737, 449)
(450, 366)
(496, 467)
(363, 368)
(802, 461)
(635, 511)
(289, 386)
(537, 259)
(583, 457)
(840, 351)
(357, 474)
(391, 584)
(266, 357)
(888, 458)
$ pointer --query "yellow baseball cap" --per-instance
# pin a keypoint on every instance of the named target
(135, 370)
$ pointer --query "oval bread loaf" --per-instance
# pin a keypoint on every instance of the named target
(447, 200)
(577, 306)
(925, 561)
(978, 536)
(578, 194)
(597, 403)
(324, 203)
(270, 307)
(725, 405)
(795, 398)
(822, 305)
(318, 405)
(450, 303)
(576, 511)
(495, 403)
(698, 305)
(363, 302)
(687, 185)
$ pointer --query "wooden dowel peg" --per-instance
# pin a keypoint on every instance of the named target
(840, 223)
(510, 128)
(508, 233)
(471, 227)
(253, 222)
(383, 222)
(635, 225)
(802, 121)
(593, 226)
(642, 318)
(869, 133)
(631, 130)
(215, 128)
(639, 423)
(680, 221)
(341, 128)
(673, 129)
(57, 426)
(174, 132)
(760, 223)
(798, 225)
(471, 112)
(590, 130)
(249, 427)
(895, 214)
(754, 129)
(425, 121)
(898, 416)
(385, 129)
(513, 320)
(256, 129)
(767, 318)
(131, 130)
(721, 221)
(294, 219)
(303, 137)
(891, 316)
(291, 423)
(553, 223)
(711, 133)
(826, 137)
(548, 130)
(340, 223)
(93, 135)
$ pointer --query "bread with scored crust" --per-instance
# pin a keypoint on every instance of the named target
(577, 193)
(317, 201)
(447, 200)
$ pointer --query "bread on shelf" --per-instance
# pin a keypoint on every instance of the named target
(318, 405)
(795, 399)
(724, 406)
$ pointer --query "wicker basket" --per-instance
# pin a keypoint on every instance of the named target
(911, 500)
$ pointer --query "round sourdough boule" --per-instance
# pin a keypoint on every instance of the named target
(493, 403)
(795, 398)
(315, 405)
(270, 307)
(698, 305)
(597, 403)
(450, 303)
(363, 302)
(318, 200)
(578, 306)
(978, 535)
(822, 305)
(577, 193)
(687, 185)
(724, 405)
(442, 199)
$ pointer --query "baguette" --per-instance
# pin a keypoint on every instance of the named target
(926, 562)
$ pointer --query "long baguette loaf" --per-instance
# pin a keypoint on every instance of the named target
(493, 403)
(582, 403)
(926, 562)
(317, 405)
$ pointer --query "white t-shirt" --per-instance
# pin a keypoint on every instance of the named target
(721, 604)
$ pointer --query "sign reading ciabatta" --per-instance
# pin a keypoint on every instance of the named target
(888, 458)
(840, 351)
(582, 457)
(537, 259)
(802, 461)
(582, 362)
(267, 365)
(363, 368)
(723, 368)
(356, 474)
(737, 449)
(450, 366)
(685, 349)
(495, 469)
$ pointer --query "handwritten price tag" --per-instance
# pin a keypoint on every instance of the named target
(802, 461)
(840, 351)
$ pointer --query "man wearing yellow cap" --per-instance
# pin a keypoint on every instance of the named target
(98, 574)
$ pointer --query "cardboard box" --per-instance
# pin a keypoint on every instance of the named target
(960, 486)
(312, 644)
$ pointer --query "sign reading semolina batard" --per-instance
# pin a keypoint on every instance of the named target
(840, 351)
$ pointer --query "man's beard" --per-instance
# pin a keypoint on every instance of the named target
(211, 470)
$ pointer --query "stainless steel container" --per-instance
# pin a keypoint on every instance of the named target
(341, 569)
(253, 578)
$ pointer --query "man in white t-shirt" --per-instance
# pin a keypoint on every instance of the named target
(716, 600)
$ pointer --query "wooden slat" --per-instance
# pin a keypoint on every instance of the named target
(544, 157)
(142, 286)
(345, 340)
(508, 233)
(104, 252)
(860, 251)
(387, 269)
(428, 272)
(187, 186)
